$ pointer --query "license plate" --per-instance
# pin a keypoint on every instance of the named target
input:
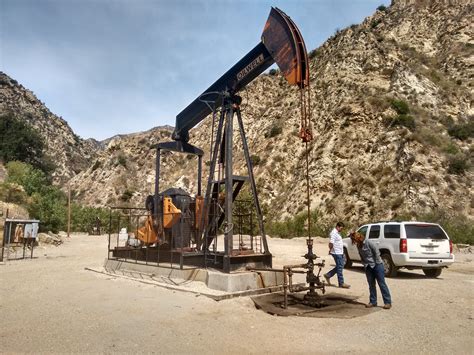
(429, 248)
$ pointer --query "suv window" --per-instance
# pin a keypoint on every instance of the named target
(391, 231)
(374, 232)
(424, 231)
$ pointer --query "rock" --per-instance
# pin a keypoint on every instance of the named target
(52, 239)
(463, 248)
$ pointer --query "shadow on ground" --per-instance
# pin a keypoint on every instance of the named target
(333, 305)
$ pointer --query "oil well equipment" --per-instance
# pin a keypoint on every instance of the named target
(179, 228)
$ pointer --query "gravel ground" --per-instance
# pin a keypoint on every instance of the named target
(51, 304)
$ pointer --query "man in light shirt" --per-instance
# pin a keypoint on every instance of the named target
(336, 249)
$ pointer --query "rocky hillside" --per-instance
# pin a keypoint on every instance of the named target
(71, 153)
(391, 107)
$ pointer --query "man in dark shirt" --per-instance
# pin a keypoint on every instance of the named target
(373, 264)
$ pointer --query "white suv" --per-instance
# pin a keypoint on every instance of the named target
(411, 245)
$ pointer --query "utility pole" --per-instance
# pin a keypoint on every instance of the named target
(68, 210)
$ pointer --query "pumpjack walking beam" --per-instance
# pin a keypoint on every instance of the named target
(281, 43)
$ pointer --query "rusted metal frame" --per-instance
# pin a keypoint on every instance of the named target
(9, 238)
(110, 231)
(136, 236)
(157, 185)
(181, 217)
(204, 244)
(235, 192)
(24, 247)
(288, 281)
(3, 239)
(229, 182)
(155, 197)
(199, 175)
(252, 181)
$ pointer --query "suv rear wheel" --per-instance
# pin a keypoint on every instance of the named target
(432, 272)
(390, 269)
(347, 260)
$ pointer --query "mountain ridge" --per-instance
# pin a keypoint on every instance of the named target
(370, 159)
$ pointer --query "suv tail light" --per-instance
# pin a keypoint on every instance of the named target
(450, 247)
(403, 246)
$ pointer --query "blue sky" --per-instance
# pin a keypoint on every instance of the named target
(121, 66)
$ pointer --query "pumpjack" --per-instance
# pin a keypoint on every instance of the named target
(188, 226)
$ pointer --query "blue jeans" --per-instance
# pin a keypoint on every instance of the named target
(339, 259)
(377, 273)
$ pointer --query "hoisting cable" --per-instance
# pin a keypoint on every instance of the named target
(306, 136)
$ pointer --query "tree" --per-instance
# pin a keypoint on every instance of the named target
(19, 141)
(33, 180)
(49, 207)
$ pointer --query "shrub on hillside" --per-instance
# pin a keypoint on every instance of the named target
(274, 131)
(462, 131)
(121, 160)
(297, 226)
(50, 207)
(255, 159)
(400, 106)
(96, 165)
(404, 120)
(13, 193)
(126, 195)
(32, 180)
(458, 164)
(19, 141)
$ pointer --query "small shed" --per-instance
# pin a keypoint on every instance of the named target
(19, 235)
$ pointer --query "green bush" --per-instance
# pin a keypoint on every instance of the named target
(400, 106)
(28, 186)
(462, 131)
(314, 53)
(275, 130)
(13, 193)
(297, 226)
(126, 196)
(121, 160)
(451, 148)
(273, 72)
(458, 164)
(255, 159)
(21, 142)
(382, 8)
(96, 165)
(83, 218)
(33, 180)
(50, 207)
(404, 120)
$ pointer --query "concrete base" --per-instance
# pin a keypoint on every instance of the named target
(234, 283)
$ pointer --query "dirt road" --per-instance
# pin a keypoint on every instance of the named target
(52, 304)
